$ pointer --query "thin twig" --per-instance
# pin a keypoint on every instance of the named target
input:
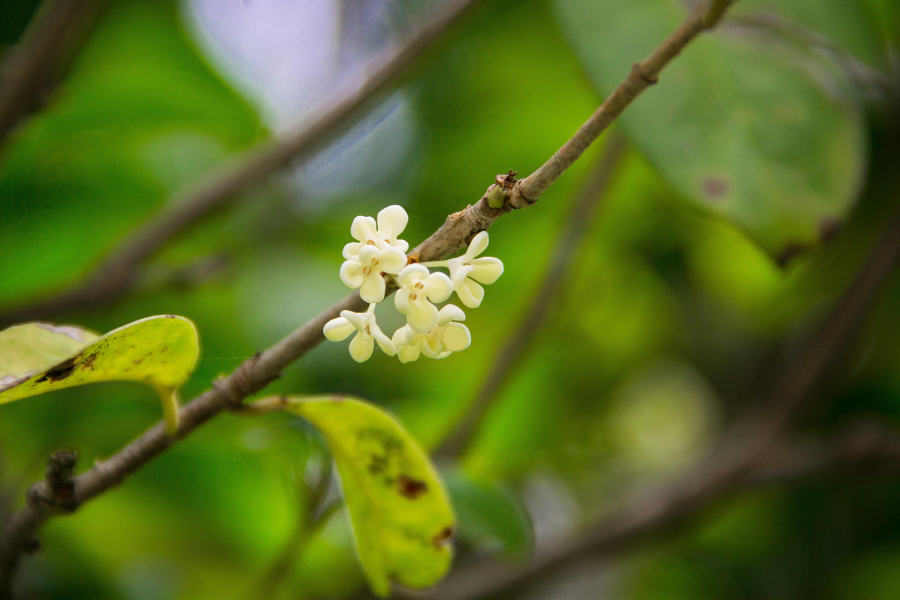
(115, 275)
(517, 345)
(742, 448)
(52, 36)
(255, 373)
(643, 74)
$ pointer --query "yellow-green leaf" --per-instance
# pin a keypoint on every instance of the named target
(398, 507)
(160, 351)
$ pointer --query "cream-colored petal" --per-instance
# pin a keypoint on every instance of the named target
(391, 222)
(464, 292)
(399, 337)
(351, 250)
(422, 316)
(443, 355)
(411, 274)
(338, 329)
(458, 274)
(438, 287)
(408, 353)
(352, 274)
(401, 245)
(363, 229)
(372, 289)
(479, 244)
(475, 292)
(361, 347)
(450, 312)
(401, 301)
(368, 254)
(486, 270)
(431, 345)
(392, 260)
(384, 342)
(359, 320)
(456, 337)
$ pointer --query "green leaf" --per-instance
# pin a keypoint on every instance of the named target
(747, 128)
(400, 512)
(488, 518)
(36, 358)
(847, 24)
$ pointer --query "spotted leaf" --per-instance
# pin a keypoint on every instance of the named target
(160, 351)
(399, 509)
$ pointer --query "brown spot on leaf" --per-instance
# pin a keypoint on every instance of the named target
(410, 488)
(443, 537)
(138, 361)
(59, 372)
(829, 227)
(715, 188)
(89, 362)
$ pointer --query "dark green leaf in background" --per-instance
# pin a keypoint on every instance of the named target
(743, 126)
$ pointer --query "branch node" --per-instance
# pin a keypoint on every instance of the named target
(519, 199)
(57, 491)
(240, 384)
(637, 71)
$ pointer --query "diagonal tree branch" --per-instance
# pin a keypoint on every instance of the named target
(517, 345)
(255, 373)
(115, 276)
(51, 38)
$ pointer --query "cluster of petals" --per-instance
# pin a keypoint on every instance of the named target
(378, 252)
(375, 252)
(446, 337)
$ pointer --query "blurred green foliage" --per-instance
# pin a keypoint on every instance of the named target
(668, 324)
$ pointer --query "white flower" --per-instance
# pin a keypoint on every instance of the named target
(467, 271)
(368, 333)
(391, 223)
(446, 337)
(364, 271)
(418, 289)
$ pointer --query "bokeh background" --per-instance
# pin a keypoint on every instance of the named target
(673, 317)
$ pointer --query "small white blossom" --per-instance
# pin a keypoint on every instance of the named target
(391, 223)
(364, 271)
(368, 333)
(446, 337)
(467, 271)
(418, 289)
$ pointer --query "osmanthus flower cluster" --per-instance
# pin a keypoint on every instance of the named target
(378, 252)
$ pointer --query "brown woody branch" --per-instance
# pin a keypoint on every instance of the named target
(255, 373)
(116, 275)
(50, 40)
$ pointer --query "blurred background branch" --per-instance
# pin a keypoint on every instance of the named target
(47, 46)
(115, 276)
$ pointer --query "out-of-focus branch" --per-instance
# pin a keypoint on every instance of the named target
(50, 40)
(564, 254)
(743, 448)
(863, 449)
(115, 276)
(255, 373)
